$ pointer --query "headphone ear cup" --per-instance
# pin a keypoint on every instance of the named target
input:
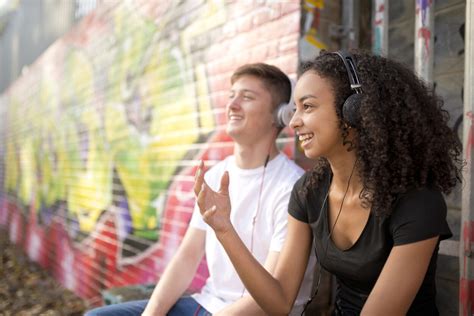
(283, 115)
(350, 110)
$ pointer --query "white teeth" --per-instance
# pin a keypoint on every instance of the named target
(305, 137)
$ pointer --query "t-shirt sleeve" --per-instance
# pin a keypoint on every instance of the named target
(419, 215)
(297, 205)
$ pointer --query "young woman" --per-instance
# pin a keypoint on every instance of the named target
(372, 207)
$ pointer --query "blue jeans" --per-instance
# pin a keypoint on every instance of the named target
(185, 306)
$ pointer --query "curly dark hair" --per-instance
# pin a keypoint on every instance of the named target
(403, 140)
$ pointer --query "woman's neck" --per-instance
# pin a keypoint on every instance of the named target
(345, 174)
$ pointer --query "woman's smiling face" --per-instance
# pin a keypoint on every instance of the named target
(315, 121)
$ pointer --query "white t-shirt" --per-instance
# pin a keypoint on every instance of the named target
(224, 286)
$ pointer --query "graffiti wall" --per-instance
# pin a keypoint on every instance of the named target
(101, 136)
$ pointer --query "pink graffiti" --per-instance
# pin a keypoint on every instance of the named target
(466, 296)
(470, 136)
(379, 14)
(466, 285)
(425, 34)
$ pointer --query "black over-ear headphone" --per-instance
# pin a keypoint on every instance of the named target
(284, 112)
(350, 108)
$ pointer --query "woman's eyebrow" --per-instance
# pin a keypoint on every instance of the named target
(308, 96)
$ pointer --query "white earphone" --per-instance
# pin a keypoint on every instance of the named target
(284, 112)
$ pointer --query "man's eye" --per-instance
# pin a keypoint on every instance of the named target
(307, 106)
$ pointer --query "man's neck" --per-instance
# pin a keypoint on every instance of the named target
(251, 157)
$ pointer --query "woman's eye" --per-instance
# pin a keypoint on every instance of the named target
(307, 106)
(247, 97)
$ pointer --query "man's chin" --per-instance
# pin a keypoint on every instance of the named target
(233, 131)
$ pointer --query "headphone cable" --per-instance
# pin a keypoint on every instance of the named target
(254, 219)
(329, 236)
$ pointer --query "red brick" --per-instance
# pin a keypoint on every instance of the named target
(249, 39)
(290, 7)
(261, 16)
(272, 48)
(244, 24)
(239, 8)
(218, 83)
(229, 29)
(242, 58)
(287, 63)
(289, 43)
(275, 12)
(259, 53)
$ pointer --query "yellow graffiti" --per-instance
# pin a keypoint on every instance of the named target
(91, 191)
(28, 168)
(314, 3)
(92, 194)
(311, 38)
(11, 170)
(311, 34)
(154, 105)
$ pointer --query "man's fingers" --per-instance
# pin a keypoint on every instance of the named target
(199, 178)
(201, 199)
(224, 188)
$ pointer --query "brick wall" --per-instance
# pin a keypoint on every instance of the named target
(101, 136)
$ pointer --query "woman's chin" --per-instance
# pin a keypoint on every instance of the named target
(311, 154)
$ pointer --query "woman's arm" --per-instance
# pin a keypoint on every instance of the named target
(275, 294)
(400, 279)
(247, 305)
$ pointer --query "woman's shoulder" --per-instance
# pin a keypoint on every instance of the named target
(313, 181)
(419, 213)
(422, 198)
(308, 195)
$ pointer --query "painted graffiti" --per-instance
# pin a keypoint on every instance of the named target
(311, 42)
(378, 35)
(424, 32)
(105, 131)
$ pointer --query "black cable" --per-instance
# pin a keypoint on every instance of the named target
(327, 239)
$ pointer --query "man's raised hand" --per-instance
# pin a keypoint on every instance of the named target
(214, 206)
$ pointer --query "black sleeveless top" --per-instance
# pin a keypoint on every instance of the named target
(418, 215)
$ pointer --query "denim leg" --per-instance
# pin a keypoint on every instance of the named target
(187, 306)
(132, 308)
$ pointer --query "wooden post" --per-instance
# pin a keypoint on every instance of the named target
(424, 30)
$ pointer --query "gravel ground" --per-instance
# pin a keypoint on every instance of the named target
(27, 289)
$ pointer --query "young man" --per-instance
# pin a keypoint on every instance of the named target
(261, 182)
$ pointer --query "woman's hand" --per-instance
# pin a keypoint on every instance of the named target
(214, 206)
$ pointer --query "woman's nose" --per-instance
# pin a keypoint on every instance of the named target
(295, 121)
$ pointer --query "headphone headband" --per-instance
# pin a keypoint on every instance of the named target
(350, 65)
